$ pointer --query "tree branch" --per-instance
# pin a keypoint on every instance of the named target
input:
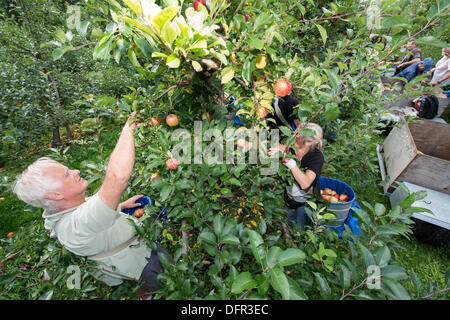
(184, 238)
(178, 85)
(238, 8)
(436, 292)
(353, 289)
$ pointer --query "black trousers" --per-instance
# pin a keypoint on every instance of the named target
(153, 268)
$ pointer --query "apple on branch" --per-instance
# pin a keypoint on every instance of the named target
(282, 87)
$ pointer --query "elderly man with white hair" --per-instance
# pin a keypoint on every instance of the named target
(95, 227)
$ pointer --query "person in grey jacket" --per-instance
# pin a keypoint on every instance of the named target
(95, 227)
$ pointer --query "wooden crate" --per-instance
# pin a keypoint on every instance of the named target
(419, 153)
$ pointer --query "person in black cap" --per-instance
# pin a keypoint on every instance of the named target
(283, 113)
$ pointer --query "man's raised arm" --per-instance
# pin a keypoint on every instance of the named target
(120, 166)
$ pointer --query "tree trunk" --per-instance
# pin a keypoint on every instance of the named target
(56, 141)
(69, 131)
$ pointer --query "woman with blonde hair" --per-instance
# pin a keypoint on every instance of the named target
(306, 175)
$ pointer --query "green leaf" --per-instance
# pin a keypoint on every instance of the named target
(169, 33)
(218, 225)
(367, 256)
(331, 112)
(207, 237)
(138, 25)
(234, 181)
(323, 32)
(291, 256)
(82, 28)
(382, 256)
(380, 209)
(133, 58)
(165, 192)
(256, 243)
(159, 55)
(165, 15)
(247, 71)
(279, 282)
(46, 296)
(243, 281)
(60, 35)
(431, 41)
(295, 291)
(134, 5)
(397, 289)
(173, 61)
(144, 46)
(261, 20)
(256, 43)
(231, 239)
(272, 256)
(395, 21)
(324, 288)
(409, 200)
(333, 78)
(227, 74)
(394, 273)
(59, 52)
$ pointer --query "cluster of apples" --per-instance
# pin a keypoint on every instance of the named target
(332, 196)
(171, 120)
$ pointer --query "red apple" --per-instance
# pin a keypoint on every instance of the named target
(172, 120)
(139, 213)
(262, 112)
(245, 17)
(155, 121)
(154, 177)
(10, 234)
(343, 198)
(327, 191)
(172, 163)
(326, 197)
(334, 200)
(196, 3)
(282, 87)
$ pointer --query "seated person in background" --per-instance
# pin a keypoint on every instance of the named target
(416, 69)
(95, 227)
(441, 75)
(310, 159)
(409, 58)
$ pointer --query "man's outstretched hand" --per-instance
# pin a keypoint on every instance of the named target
(131, 203)
(132, 121)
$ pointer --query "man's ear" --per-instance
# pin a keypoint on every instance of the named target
(54, 196)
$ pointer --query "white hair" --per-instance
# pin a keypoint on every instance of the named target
(31, 185)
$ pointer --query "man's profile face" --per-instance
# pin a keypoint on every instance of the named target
(70, 181)
(410, 46)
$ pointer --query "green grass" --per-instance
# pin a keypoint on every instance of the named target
(430, 263)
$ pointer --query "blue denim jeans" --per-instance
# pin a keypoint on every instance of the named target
(298, 217)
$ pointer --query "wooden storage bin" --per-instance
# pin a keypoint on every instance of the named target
(419, 153)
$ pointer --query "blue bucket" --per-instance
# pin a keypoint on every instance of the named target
(147, 201)
(341, 209)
